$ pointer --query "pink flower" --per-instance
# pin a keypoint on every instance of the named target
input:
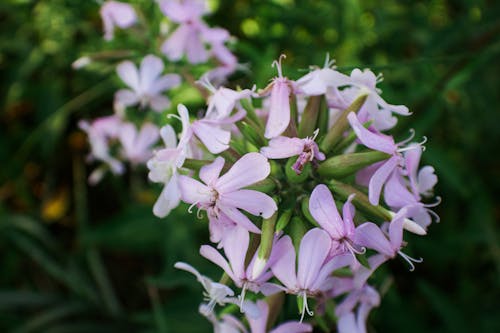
(187, 38)
(355, 322)
(236, 242)
(101, 132)
(341, 231)
(314, 266)
(284, 147)
(371, 236)
(321, 80)
(136, 145)
(146, 84)
(223, 196)
(210, 131)
(114, 13)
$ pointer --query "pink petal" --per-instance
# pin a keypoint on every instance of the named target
(284, 267)
(396, 194)
(168, 136)
(258, 325)
(214, 256)
(239, 218)
(337, 262)
(169, 198)
(148, 135)
(279, 111)
(254, 202)
(195, 48)
(235, 248)
(379, 178)
(214, 138)
(210, 172)
(426, 179)
(347, 324)
(151, 68)
(164, 83)
(322, 208)
(314, 248)
(396, 229)
(159, 103)
(292, 327)
(248, 170)
(369, 235)
(126, 97)
(175, 45)
(283, 147)
(374, 141)
(128, 135)
(192, 191)
(127, 71)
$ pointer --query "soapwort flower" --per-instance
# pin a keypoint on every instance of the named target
(312, 276)
(355, 322)
(284, 147)
(390, 245)
(146, 84)
(119, 14)
(223, 196)
(217, 294)
(341, 230)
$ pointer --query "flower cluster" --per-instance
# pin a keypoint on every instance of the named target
(305, 192)
(122, 137)
(270, 178)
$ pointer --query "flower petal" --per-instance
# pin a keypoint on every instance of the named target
(322, 208)
(127, 71)
(150, 70)
(283, 147)
(159, 103)
(239, 218)
(192, 191)
(169, 198)
(292, 327)
(248, 170)
(164, 83)
(279, 111)
(214, 138)
(126, 97)
(369, 235)
(214, 256)
(210, 172)
(371, 140)
(235, 248)
(379, 178)
(314, 248)
(284, 267)
(254, 202)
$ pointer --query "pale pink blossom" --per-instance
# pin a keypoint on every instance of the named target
(146, 84)
(223, 196)
(116, 14)
(137, 145)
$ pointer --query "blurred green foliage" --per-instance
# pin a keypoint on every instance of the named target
(78, 259)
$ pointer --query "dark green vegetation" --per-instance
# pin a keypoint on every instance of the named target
(79, 259)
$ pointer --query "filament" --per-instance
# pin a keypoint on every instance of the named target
(410, 260)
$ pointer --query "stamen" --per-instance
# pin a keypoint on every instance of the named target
(205, 82)
(433, 204)
(315, 134)
(412, 135)
(410, 260)
(435, 215)
(305, 307)
(190, 209)
(379, 77)
(277, 64)
(242, 296)
(173, 115)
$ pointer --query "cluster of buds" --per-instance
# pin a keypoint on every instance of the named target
(271, 180)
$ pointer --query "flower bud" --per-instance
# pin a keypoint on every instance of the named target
(309, 117)
(335, 134)
(304, 205)
(266, 186)
(249, 132)
(291, 174)
(266, 244)
(283, 220)
(344, 165)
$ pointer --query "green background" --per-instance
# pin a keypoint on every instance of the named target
(94, 259)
